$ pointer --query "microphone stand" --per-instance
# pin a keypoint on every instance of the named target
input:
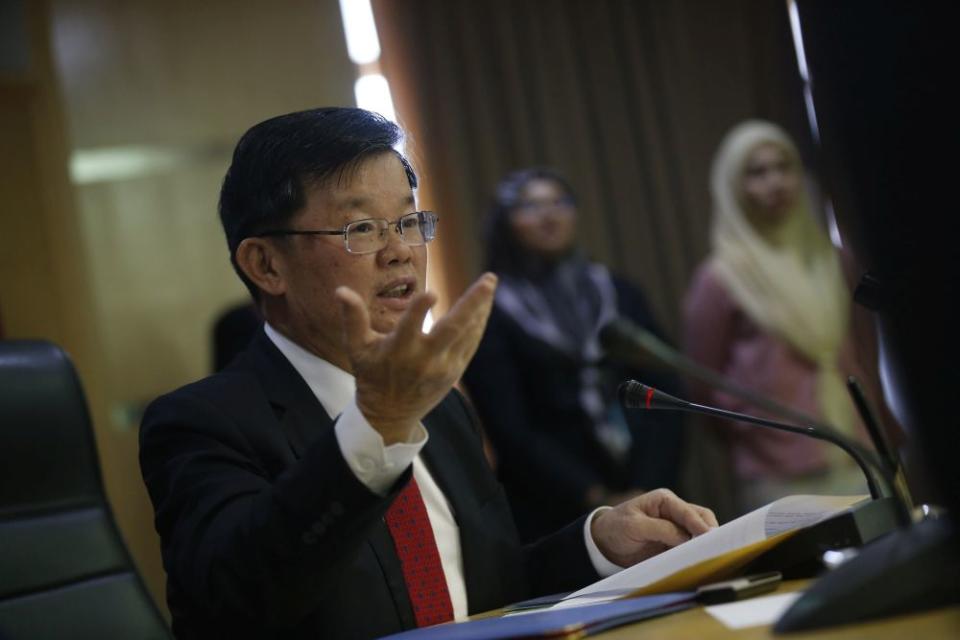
(875, 492)
(898, 570)
(634, 395)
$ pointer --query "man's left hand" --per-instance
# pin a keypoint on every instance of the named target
(648, 524)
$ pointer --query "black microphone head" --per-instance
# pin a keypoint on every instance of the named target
(628, 392)
(613, 335)
(629, 343)
(636, 395)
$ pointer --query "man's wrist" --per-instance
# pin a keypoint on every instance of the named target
(601, 564)
(366, 452)
(391, 429)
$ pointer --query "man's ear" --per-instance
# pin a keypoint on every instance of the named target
(260, 261)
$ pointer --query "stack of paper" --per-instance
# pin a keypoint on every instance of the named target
(717, 554)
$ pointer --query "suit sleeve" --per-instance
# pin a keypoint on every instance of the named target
(632, 304)
(659, 437)
(235, 537)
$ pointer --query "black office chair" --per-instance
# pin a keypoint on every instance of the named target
(64, 569)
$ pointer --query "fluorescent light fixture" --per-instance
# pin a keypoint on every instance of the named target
(363, 45)
(121, 163)
(373, 93)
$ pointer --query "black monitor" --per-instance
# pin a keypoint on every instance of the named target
(882, 100)
(883, 79)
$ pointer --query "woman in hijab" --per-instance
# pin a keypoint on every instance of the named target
(769, 309)
(544, 391)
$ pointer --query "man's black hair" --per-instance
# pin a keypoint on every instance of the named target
(276, 161)
(504, 253)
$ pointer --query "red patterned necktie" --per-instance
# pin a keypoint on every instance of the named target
(417, 549)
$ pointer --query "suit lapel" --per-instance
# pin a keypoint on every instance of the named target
(300, 415)
(441, 459)
(440, 456)
(381, 543)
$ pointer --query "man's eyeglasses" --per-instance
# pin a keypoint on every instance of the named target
(370, 235)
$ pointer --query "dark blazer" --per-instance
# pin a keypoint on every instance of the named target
(526, 393)
(267, 533)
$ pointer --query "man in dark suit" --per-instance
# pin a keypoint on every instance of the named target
(330, 483)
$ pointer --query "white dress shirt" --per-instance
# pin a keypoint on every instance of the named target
(378, 466)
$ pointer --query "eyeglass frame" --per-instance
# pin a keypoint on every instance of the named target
(344, 231)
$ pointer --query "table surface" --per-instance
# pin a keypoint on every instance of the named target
(697, 623)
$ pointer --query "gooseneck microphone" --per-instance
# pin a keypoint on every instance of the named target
(635, 395)
(630, 343)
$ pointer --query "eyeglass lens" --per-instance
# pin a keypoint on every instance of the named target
(366, 236)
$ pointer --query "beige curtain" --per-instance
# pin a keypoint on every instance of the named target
(628, 98)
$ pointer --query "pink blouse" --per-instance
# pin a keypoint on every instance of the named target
(721, 336)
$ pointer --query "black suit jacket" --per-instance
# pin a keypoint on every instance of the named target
(266, 532)
(527, 395)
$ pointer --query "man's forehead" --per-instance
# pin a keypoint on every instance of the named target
(339, 205)
(346, 202)
(366, 181)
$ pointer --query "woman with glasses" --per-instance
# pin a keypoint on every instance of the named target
(770, 310)
(539, 380)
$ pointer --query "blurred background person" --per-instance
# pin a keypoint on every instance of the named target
(232, 332)
(769, 308)
(540, 382)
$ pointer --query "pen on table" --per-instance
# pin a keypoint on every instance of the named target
(739, 588)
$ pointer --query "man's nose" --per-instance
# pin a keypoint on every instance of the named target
(395, 248)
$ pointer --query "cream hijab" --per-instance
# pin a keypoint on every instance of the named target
(787, 278)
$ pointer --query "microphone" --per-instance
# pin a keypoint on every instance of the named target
(635, 395)
(627, 342)
(630, 343)
(889, 460)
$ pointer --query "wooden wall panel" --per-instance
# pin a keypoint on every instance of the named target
(127, 268)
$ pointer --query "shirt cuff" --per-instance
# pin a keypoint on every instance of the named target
(375, 465)
(603, 567)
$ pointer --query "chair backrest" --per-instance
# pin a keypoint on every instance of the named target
(64, 569)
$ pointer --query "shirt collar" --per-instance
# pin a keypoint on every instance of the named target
(332, 386)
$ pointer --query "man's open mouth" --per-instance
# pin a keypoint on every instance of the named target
(400, 289)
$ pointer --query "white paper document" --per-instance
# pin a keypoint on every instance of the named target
(786, 514)
(753, 612)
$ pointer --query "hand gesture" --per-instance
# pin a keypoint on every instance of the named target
(404, 374)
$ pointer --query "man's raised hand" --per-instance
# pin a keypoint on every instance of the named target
(404, 374)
